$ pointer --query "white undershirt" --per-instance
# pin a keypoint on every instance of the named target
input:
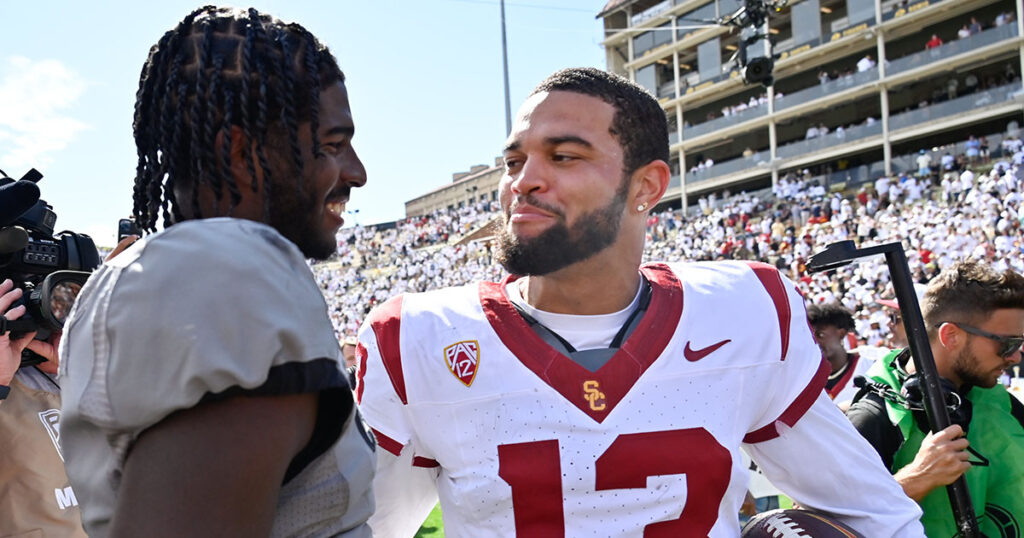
(583, 332)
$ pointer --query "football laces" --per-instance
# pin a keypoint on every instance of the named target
(781, 526)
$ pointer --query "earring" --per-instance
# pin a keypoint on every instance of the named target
(640, 208)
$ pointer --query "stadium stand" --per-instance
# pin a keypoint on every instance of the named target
(940, 217)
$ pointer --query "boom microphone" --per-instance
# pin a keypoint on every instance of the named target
(16, 198)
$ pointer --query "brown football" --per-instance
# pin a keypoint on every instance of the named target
(796, 524)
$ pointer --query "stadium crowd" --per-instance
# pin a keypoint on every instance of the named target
(973, 212)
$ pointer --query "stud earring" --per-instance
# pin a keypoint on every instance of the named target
(640, 208)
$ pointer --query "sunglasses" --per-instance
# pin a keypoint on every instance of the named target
(1008, 345)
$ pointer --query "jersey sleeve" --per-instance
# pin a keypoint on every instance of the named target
(823, 464)
(870, 419)
(198, 313)
(785, 387)
(380, 379)
(404, 495)
(405, 487)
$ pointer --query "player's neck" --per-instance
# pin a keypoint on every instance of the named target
(594, 286)
(838, 362)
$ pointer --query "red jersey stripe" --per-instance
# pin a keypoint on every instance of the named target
(386, 321)
(387, 443)
(792, 414)
(772, 282)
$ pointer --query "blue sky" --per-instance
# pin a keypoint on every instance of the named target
(424, 79)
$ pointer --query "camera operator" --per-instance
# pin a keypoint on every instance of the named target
(35, 494)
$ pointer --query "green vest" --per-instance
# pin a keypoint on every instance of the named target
(997, 490)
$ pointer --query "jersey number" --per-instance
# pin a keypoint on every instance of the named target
(533, 470)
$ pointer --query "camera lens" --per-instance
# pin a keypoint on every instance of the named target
(62, 298)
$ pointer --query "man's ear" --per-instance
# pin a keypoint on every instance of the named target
(240, 169)
(650, 182)
(951, 337)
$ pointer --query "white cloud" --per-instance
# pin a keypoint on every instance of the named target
(35, 123)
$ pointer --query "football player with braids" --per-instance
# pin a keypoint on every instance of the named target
(587, 394)
(203, 393)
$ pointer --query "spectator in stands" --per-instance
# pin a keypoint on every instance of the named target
(924, 162)
(897, 332)
(865, 63)
(975, 26)
(972, 149)
(963, 32)
(348, 350)
(975, 317)
(970, 83)
(948, 162)
(951, 87)
(1010, 145)
(934, 42)
(348, 353)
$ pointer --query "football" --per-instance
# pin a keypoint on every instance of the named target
(796, 524)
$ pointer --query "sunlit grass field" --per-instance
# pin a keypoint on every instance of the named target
(432, 527)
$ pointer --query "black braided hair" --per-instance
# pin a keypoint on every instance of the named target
(243, 97)
(312, 81)
(218, 69)
(288, 105)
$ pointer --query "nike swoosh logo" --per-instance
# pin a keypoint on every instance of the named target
(693, 355)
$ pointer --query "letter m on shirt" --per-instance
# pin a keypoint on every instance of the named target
(65, 498)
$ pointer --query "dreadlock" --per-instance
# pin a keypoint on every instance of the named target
(221, 68)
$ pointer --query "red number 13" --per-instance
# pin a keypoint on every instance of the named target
(533, 470)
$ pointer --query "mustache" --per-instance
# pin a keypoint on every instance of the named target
(529, 199)
(340, 193)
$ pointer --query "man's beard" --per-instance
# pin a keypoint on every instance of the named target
(293, 213)
(560, 246)
(965, 365)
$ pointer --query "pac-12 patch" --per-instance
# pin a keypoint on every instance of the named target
(462, 359)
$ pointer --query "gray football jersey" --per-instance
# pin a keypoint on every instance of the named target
(207, 309)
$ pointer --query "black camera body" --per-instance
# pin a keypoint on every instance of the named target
(127, 227)
(49, 268)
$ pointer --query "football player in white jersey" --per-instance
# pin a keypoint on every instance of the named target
(202, 392)
(832, 324)
(587, 395)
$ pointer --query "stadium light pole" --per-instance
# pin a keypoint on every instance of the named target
(504, 59)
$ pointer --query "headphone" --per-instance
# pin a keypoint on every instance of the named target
(911, 397)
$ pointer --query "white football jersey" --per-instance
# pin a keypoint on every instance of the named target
(526, 442)
(844, 390)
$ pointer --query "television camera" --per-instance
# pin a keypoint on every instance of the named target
(49, 268)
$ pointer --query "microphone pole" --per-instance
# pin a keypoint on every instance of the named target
(842, 253)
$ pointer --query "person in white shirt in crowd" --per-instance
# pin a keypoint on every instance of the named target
(866, 63)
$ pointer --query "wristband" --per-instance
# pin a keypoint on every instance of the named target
(4, 391)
